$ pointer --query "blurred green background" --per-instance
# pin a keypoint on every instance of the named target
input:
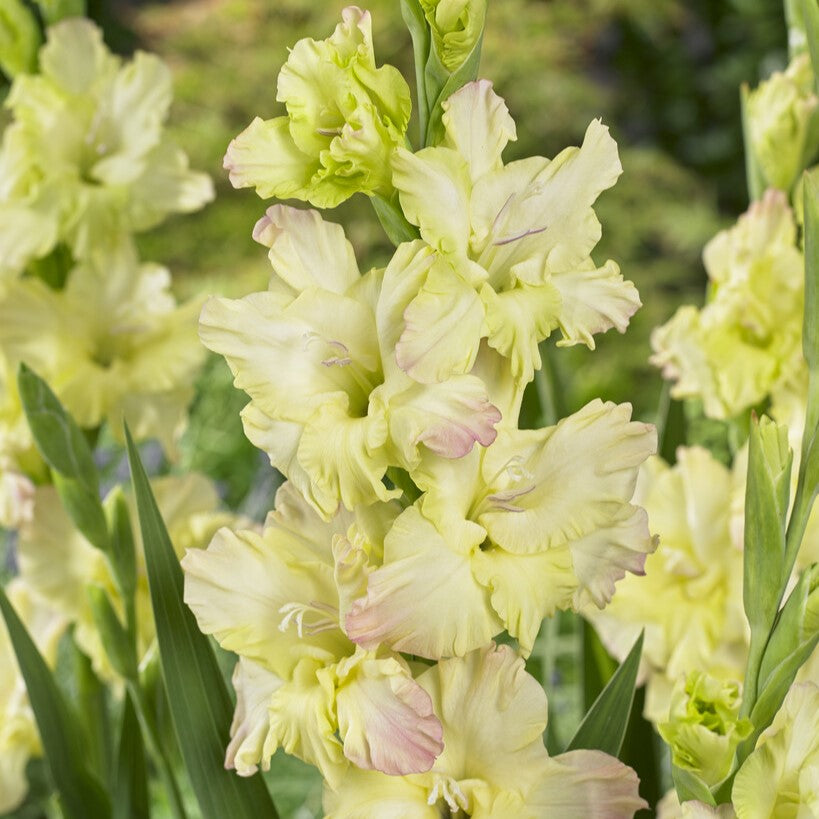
(663, 74)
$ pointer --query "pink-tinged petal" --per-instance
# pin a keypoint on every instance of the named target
(424, 599)
(447, 418)
(305, 250)
(385, 718)
(254, 686)
(587, 785)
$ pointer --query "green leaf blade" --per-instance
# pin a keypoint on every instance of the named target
(198, 699)
(131, 799)
(81, 794)
(57, 436)
(604, 726)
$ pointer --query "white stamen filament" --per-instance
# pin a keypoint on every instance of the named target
(449, 790)
(296, 612)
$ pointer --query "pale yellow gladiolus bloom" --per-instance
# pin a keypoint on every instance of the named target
(538, 521)
(86, 160)
(344, 118)
(315, 353)
(59, 564)
(19, 460)
(690, 600)
(782, 117)
(745, 343)
(278, 600)
(19, 738)
(494, 764)
(669, 807)
(516, 240)
(111, 343)
(781, 777)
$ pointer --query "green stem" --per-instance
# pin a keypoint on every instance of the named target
(756, 652)
(156, 749)
(414, 17)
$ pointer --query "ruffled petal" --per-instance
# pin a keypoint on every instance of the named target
(268, 597)
(424, 599)
(265, 157)
(448, 418)
(559, 484)
(372, 795)
(74, 57)
(587, 785)
(517, 320)
(345, 458)
(302, 721)
(478, 126)
(435, 188)
(526, 588)
(307, 251)
(551, 218)
(593, 301)
(494, 714)
(442, 330)
(254, 687)
(385, 718)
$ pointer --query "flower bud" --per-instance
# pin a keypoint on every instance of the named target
(704, 729)
(456, 27)
(344, 119)
(782, 123)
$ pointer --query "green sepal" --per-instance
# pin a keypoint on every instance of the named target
(766, 504)
(754, 177)
(416, 22)
(80, 792)
(772, 693)
(795, 624)
(441, 85)
(604, 726)
(689, 786)
(116, 641)
(197, 697)
(122, 553)
(58, 437)
(84, 509)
